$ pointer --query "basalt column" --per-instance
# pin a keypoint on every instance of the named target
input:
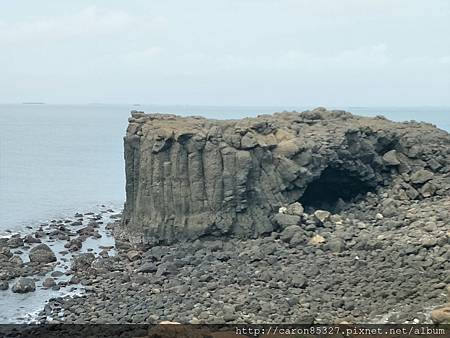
(191, 177)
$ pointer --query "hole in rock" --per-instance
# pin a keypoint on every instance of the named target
(333, 189)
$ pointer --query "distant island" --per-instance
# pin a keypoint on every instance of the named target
(33, 103)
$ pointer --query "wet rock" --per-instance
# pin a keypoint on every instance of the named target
(74, 244)
(5, 254)
(42, 254)
(15, 242)
(57, 273)
(24, 285)
(74, 280)
(4, 285)
(48, 283)
(16, 260)
(82, 261)
(31, 239)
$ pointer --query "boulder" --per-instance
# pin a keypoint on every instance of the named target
(422, 176)
(290, 232)
(42, 254)
(48, 283)
(317, 240)
(298, 281)
(31, 239)
(295, 209)
(322, 215)
(82, 261)
(336, 245)
(4, 285)
(5, 254)
(147, 268)
(16, 260)
(390, 158)
(24, 285)
(15, 242)
(428, 189)
(285, 220)
(133, 255)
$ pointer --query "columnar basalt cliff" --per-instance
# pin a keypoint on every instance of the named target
(191, 177)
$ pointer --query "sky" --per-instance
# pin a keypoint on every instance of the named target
(226, 52)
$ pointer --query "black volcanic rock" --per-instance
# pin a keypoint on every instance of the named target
(190, 177)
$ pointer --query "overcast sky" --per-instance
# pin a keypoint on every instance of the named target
(226, 52)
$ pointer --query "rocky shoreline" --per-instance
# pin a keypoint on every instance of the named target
(36, 266)
(314, 217)
(365, 265)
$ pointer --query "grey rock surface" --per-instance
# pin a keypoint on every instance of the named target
(191, 177)
(42, 254)
(24, 285)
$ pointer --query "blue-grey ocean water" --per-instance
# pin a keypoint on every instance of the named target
(56, 160)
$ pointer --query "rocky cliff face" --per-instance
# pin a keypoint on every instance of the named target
(190, 177)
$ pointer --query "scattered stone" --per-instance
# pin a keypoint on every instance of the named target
(289, 233)
(24, 285)
(317, 240)
(42, 254)
(285, 220)
(441, 315)
(30, 239)
(422, 176)
(336, 245)
(57, 274)
(133, 255)
(48, 283)
(322, 216)
(15, 242)
(390, 158)
(4, 285)
(295, 209)
(74, 280)
(298, 281)
(82, 261)
(16, 260)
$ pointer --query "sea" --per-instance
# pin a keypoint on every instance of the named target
(56, 160)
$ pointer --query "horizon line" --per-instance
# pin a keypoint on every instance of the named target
(137, 105)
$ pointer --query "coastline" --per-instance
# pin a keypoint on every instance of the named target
(56, 234)
(149, 273)
(144, 285)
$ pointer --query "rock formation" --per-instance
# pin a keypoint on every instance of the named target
(191, 177)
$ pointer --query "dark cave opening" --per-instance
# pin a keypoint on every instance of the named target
(333, 189)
